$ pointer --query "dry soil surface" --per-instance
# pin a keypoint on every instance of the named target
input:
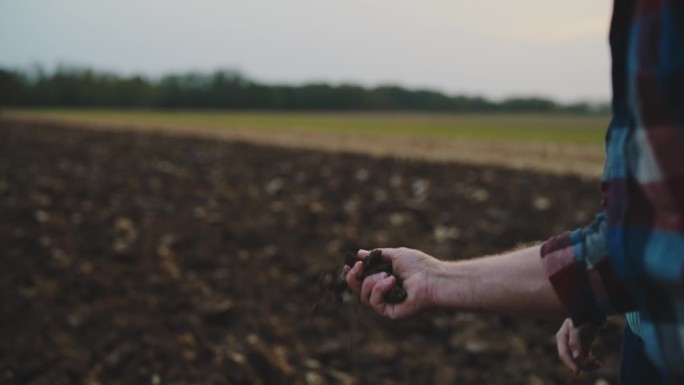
(138, 258)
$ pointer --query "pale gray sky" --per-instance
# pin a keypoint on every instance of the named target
(495, 48)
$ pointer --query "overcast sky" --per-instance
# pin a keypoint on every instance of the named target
(495, 48)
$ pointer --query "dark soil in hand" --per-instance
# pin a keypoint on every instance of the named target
(374, 264)
(132, 258)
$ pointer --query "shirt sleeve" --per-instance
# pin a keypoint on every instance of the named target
(579, 269)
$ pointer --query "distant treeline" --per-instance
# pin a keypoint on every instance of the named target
(79, 87)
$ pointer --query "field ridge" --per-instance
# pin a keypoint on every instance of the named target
(559, 158)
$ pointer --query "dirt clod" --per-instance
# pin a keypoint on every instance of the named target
(374, 264)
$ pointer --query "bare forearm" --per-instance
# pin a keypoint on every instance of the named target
(510, 284)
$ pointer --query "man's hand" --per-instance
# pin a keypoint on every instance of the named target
(414, 267)
(575, 345)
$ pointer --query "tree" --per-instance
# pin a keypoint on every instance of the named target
(12, 86)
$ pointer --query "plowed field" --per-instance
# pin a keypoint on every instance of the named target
(132, 258)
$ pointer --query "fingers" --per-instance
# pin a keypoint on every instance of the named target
(574, 343)
(354, 275)
(563, 345)
(368, 286)
(574, 347)
(377, 296)
(581, 341)
(373, 292)
(388, 253)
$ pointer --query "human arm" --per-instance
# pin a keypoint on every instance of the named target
(513, 283)
(568, 275)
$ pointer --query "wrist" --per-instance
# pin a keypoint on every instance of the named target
(451, 286)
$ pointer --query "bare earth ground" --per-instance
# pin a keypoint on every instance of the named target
(566, 158)
(140, 258)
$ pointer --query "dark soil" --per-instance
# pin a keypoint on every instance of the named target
(374, 264)
(152, 259)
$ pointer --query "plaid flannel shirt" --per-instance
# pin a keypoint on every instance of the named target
(632, 256)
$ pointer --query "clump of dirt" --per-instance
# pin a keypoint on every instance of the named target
(374, 263)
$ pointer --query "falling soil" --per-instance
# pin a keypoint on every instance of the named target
(134, 258)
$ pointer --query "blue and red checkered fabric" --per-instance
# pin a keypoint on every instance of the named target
(632, 256)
